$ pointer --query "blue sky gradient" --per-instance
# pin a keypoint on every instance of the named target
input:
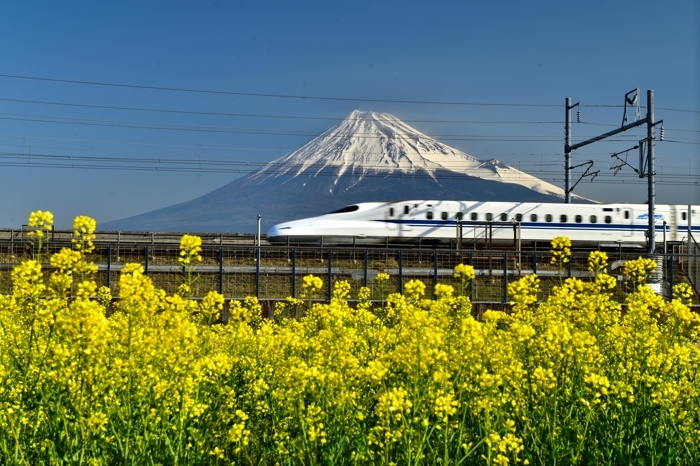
(518, 60)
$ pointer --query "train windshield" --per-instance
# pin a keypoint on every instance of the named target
(345, 210)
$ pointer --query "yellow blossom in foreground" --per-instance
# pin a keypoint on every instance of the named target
(414, 288)
(312, 283)
(638, 270)
(40, 221)
(382, 277)
(190, 249)
(464, 271)
(561, 250)
(597, 262)
(84, 233)
(567, 377)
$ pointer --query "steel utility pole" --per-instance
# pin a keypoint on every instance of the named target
(650, 170)
(651, 173)
(567, 152)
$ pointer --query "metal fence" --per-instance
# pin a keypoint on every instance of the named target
(689, 260)
(274, 273)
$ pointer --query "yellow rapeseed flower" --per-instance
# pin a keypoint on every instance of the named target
(382, 277)
(40, 221)
(561, 251)
(190, 249)
(464, 271)
(84, 233)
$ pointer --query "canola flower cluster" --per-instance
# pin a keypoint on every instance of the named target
(561, 250)
(572, 378)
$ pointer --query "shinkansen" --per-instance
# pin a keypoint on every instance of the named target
(443, 221)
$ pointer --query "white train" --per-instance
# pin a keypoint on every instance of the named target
(498, 222)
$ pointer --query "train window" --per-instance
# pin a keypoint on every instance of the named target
(444, 215)
(459, 216)
(391, 212)
(607, 209)
(594, 219)
(533, 217)
(504, 217)
(475, 216)
(548, 217)
(579, 219)
(489, 217)
(344, 210)
(608, 219)
(562, 218)
(518, 217)
(429, 215)
(406, 209)
(684, 215)
(627, 214)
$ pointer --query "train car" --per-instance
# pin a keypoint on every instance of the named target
(440, 221)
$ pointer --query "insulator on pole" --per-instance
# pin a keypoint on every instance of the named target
(661, 134)
(578, 116)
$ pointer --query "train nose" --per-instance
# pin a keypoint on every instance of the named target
(278, 233)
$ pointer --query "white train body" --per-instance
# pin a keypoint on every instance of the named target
(437, 221)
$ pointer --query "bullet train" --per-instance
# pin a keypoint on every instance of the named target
(434, 222)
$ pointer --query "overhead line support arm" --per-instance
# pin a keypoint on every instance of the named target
(569, 148)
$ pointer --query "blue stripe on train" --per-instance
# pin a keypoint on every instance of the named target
(542, 226)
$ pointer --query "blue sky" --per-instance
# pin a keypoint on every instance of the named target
(517, 60)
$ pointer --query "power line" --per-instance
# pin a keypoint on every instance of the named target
(300, 117)
(263, 131)
(303, 97)
(258, 94)
(244, 166)
(252, 115)
(668, 109)
(632, 180)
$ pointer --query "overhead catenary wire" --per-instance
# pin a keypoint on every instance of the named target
(304, 117)
(273, 95)
(304, 97)
(276, 132)
(186, 162)
(220, 166)
(253, 115)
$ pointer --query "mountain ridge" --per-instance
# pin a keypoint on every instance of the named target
(367, 157)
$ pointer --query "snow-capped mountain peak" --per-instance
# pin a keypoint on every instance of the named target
(371, 143)
(368, 157)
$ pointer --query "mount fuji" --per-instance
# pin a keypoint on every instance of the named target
(368, 156)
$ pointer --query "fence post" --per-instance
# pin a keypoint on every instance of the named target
(670, 277)
(294, 273)
(505, 277)
(435, 268)
(364, 262)
(257, 272)
(221, 269)
(109, 266)
(330, 287)
(471, 284)
(145, 260)
(534, 262)
(400, 271)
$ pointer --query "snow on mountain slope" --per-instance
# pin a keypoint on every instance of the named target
(370, 143)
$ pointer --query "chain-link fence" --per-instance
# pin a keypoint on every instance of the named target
(689, 261)
(273, 272)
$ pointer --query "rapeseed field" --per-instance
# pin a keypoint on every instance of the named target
(149, 378)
